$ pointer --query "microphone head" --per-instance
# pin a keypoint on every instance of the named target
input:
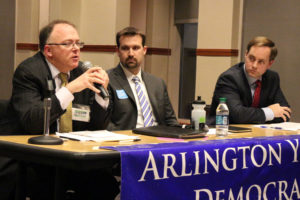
(87, 65)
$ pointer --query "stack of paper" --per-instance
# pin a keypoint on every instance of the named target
(288, 126)
(97, 136)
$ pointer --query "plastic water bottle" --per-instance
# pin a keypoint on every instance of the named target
(198, 114)
(222, 118)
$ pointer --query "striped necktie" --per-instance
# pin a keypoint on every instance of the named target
(145, 106)
(65, 122)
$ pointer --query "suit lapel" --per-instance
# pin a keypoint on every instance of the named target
(123, 82)
(245, 85)
(151, 93)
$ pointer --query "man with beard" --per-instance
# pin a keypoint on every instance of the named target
(252, 90)
(138, 98)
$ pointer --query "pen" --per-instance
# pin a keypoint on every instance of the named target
(67, 138)
(263, 126)
(279, 128)
(131, 140)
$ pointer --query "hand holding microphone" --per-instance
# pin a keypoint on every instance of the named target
(103, 92)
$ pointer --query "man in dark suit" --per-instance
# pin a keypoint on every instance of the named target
(57, 63)
(127, 112)
(242, 82)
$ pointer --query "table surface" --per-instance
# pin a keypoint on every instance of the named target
(88, 155)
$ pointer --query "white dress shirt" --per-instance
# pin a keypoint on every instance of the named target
(64, 96)
(129, 76)
(251, 81)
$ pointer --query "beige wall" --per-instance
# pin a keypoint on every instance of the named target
(161, 32)
(99, 20)
(27, 26)
(218, 28)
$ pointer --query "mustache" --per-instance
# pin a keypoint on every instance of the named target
(131, 58)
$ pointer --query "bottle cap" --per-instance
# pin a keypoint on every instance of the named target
(198, 101)
(222, 99)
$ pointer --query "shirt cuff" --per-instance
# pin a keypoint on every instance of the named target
(268, 113)
(102, 102)
(65, 97)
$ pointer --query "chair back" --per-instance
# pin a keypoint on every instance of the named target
(9, 123)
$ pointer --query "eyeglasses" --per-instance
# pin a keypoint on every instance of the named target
(69, 45)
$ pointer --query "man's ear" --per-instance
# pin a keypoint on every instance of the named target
(47, 51)
(118, 51)
(270, 63)
(145, 49)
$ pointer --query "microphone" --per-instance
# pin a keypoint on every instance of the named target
(103, 93)
(46, 139)
(47, 108)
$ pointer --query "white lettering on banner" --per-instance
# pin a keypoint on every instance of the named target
(170, 167)
(239, 196)
(183, 171)
(197, 161)
(224, 160)
(207, 162)
(254, 191)
(151, 161)
(211, 161)
(244, 155)
(295, 149)
(266, 189)
(295, 190)
(257, 187)
(264, 155)
(282, 190)
(276, 155)
(218, 193)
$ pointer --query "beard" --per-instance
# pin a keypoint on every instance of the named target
(130, 63)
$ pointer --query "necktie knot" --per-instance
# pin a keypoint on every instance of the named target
(136, 79)
(258, 83)
(64, 78)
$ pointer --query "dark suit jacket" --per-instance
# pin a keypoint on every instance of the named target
(233, 85)
(30, 87)
(124, 111)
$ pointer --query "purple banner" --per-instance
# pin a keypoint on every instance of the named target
(257, 168)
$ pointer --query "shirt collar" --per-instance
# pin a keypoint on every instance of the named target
(54, 71)
(130, 75)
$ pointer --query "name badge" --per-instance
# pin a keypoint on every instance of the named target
(81, 113)
(121, 94)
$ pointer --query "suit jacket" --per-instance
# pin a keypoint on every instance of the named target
(30, 87)
(234, 85)
(124, 111)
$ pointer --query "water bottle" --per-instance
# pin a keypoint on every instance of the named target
(222, 118)
(198, 114)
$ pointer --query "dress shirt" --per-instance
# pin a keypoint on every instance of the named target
(251, 81)
(140, 118)
(64, 96)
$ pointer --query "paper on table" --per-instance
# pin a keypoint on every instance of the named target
(288, 126)
(98, 136)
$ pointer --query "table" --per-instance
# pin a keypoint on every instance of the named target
(86, 155)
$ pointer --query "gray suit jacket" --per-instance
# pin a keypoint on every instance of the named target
(124, 110)
(234, 85)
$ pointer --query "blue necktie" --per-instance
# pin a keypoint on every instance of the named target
(145, 106)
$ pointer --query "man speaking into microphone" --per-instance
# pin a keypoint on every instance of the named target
(58, 61)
